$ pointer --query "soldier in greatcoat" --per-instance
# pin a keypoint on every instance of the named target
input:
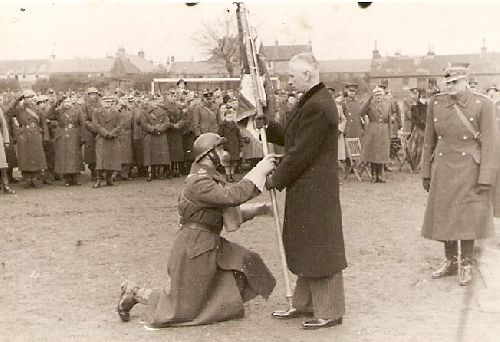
(234, 140)
(155, 123)
(138, 108)
(88, 108)
(459, 169)
(4, 143)
(210, 277)
(376, 140)
(127, 127)
(69, 138)
(10, 150)
(187, 132)
(175, 106)
(30, 135)
(106, 121)
(205, 116)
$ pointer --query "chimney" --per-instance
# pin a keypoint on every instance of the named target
(141, 54)
(172, 59)
(430, 51)
(483, 49)
(375, 52)
(310, 43)
(397, 53)
(121, 51)
(52, 57)
(276, 43)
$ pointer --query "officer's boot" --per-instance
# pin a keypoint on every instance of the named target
(97, 183)
(466, 265)
(150, 173)
(111, 178)
(74, 179)
(5, 183)
(45, 175)
(450, 267)
(93, 176)
(161, 172)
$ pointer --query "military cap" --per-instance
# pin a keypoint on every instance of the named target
(351, 85)
(492, 87)
(456, 71)
(181, 81)
(378, 91)
(207, 93)
(92, 90)
(28, 93)
(51, 91)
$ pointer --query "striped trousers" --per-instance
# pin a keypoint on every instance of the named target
(324, 296)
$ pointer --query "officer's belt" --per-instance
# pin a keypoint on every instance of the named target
(31, 125)
(201, 226)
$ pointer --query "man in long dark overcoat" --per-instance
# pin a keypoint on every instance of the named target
(312, 232)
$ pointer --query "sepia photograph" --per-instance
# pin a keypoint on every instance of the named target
(249, 171)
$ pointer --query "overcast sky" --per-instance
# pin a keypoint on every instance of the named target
(338, 30)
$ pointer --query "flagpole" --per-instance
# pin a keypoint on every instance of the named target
(254, 72)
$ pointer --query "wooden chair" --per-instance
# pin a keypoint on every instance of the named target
(353, 146)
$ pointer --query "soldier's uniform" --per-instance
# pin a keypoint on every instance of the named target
(88, 109)
(354, 122)
(226, 274)
(127, 127)
(31, 133)
(68, 137)
(205, 119)
(4, 141)
(457, 165)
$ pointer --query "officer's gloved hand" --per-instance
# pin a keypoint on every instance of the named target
(426, 183)
(267, 164)
(482, 188)
(261, 121)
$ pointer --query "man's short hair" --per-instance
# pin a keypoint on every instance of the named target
(306, 58)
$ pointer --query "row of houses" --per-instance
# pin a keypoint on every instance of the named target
(398, 72)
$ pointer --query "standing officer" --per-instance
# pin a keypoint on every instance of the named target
(155, 123)
(458, 170)
(89, 107)
(377, 141)
(206, 116)
(210, 277)
(69, 138)
(352, 112)
(312, 231)
(31, 133)
(10, 150)
(127, 127)
(106, 121)
(4, 143)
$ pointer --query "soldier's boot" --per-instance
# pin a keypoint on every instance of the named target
(74, 180)
(97, 183)
(46, 177)
(450, 268)
(160, 172)
(5, 183)
(93, 176)
(10, 175)
(111, 179)
(67, 180)
(150, 174)
(131, 294)
(466, 272)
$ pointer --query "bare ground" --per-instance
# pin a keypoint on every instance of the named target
(65, 251)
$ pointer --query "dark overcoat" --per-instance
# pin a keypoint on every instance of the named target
(352, 112)
(127, 125)
(90, 132)
(30, 134)
(174, 133)
(108, 150)
(496, 192)
(202, 264)
(377, 135)
(4, 139)
(155, 123)
(68, 138)
(456, 163)
(138, 136)
(312, 231)
(234, 140)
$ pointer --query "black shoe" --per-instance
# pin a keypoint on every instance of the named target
(126, 301)
(379, 180)
(291, 313)
(7, 190)
(319, 323)
(450, 268)
(465, 275)
(387, 168)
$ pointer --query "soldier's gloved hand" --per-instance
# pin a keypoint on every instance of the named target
(482, 188)
(261, 121)
(267, 164)
(426, 183)
(246, 140)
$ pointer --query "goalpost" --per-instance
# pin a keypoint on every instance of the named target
(236, 80)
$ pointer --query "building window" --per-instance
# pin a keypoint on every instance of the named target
(24, 76)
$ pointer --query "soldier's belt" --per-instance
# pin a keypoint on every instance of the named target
(31, 125)
(200, 226)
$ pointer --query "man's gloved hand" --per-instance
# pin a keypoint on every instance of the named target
(426, 183)
(482, 188)
(267, 164)
(261, 121)
(246, 140)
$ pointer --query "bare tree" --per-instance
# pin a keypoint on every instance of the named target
(219, 39)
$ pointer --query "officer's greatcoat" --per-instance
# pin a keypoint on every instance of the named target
(108, 150)
(32, 130)
(354, 126)
(376, 140)
(90, 132)
(126, 123)
(4, 139)
(210, 277)
(456, 163)
(155, 143)
(68, 137)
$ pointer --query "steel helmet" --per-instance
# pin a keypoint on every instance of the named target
(205, 143)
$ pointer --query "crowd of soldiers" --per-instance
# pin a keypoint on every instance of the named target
(55, 135)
